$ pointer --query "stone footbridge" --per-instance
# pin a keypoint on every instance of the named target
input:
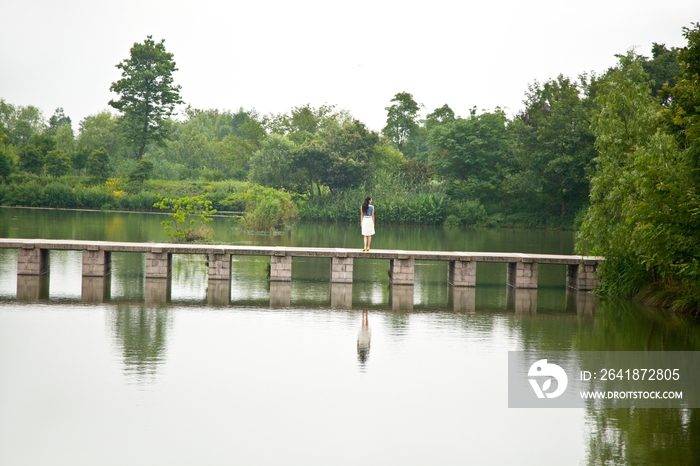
(34, 255)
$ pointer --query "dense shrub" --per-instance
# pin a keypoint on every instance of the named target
(94, 197)
(26, 194)
(266, 209)
(58, 194)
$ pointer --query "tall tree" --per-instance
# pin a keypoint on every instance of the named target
(57, 120)
(401, 119)
(553, 146)
(662, 68)
(99, 130)
(272, 164)
(350, 148)
(683, 116)
(470, 150)
(147, 95)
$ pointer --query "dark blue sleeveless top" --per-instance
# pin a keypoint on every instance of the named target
(368, 212)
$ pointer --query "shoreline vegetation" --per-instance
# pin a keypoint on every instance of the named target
(615, 155)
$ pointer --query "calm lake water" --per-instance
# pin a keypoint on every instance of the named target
(295, 375)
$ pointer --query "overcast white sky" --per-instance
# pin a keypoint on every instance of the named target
(273, 55)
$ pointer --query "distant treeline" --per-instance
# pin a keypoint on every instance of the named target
(485, 168)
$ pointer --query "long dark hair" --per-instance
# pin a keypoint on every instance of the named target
(365, 204)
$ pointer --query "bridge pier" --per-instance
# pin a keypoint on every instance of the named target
(341, 269)
(461, 273)
(281, 268)
(583, 276)
(219, 266)
(32, 261)
(402, 271)
(96, 262)
(159, 264)
(522, 274)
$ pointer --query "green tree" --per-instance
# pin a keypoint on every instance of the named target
(553, 147)
(65, 139)
(644, 196)
(98, 166)
(57, 163)
(306, 122)
(192, 148)
(470, 151)
(402, 118)
(31, 159)
(189, 216)
(147, 95)
(5, 166)
(350, 148)
(312, 159)
(386, 157)
(141, 172)
(57, 120)
(272, 165)
(439, 116)
(97, 131)
(662, 68)
(21, 123)
(682, 119)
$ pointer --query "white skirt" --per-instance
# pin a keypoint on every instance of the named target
(367, 226)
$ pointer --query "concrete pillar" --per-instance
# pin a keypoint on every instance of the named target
(159, 264)
(158, 291)
(582, 302)
(219, 292)
(280, 294)
(341, 269)
(341, 295)
(32, 287)
(32, 261)
(583, 276)
(462, 298)
(522, 274)
(401, 297)
(280, 268)
(402, 271)
(521, 300)
(462, 273)
(96, 263)
(96, 289)
(219, 266)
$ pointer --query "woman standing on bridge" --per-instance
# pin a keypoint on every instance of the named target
(367, 221)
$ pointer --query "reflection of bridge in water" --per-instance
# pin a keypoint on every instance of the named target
(33, 256)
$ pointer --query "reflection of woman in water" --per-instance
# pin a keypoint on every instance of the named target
(363, 339)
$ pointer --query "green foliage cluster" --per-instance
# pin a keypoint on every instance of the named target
(266, 209)
(189, 217)
(645, 204)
